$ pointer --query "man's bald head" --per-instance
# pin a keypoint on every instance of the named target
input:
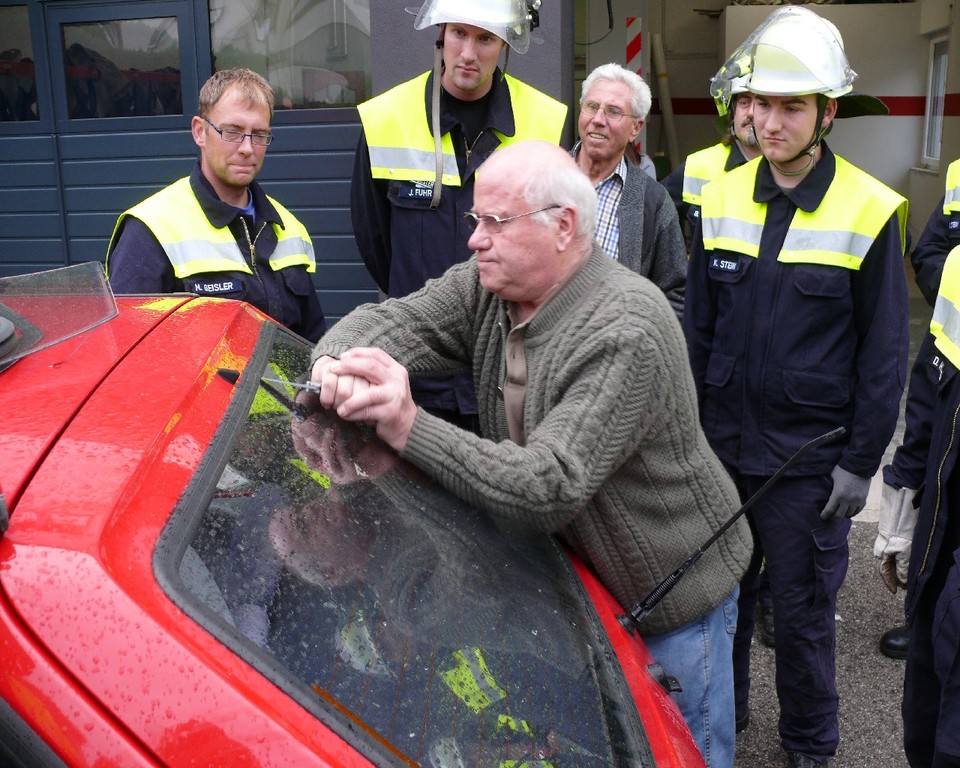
(542, 174)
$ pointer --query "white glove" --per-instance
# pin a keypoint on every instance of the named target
(898, 518)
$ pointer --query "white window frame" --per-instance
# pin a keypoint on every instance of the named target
(936, 92)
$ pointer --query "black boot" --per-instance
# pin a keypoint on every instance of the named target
(743, 723)
(796, 760)
(894, 642)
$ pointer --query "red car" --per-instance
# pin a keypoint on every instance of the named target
(184, 582)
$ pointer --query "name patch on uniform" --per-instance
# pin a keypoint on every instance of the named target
(937, 362)
(418, 190)
(219, 287)
(725, 263)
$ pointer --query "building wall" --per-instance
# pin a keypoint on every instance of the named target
(927, 185)
(887, 45)
(63, 182)
(59, 195)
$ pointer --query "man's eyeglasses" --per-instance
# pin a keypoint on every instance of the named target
(614, 114)
(236, 137)
(494, 223)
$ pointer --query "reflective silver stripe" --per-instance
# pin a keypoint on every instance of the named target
(292, 246)
(836, 241)
(731, 229)
(951, 197)
(951, 200)
(946, 314)
(693, 186)
(406, 158)
(844, 249)
(491, 691)
(190, 257)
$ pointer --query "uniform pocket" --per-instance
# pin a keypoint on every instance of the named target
(820, 389)
(946, 626)
(819, 280)
(719, 370)
(830, 560)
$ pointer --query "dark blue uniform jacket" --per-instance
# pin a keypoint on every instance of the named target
(138, 264)
(927, 461)
(403, 243)
(782, 352)
(940, 236)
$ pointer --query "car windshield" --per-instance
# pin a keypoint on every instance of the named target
(407, 621)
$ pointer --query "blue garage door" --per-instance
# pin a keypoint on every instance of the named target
(95, 107)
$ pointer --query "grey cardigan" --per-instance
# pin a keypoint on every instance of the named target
(651, 242)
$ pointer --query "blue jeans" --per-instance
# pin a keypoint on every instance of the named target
(700, 656)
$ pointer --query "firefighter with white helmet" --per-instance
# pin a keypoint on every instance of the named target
(737, 144)
(796, 322)
(420, 149)
(510, 20)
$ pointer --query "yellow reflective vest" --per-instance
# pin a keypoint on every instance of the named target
(951, 199)
(194, 246)
(702, 167)
(945, 323)
(838, 233)
(401, 144)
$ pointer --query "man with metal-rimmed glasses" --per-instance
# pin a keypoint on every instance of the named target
(216, 233)
(588, 416)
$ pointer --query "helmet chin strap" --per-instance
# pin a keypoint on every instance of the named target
(435, 120)
(810, 150)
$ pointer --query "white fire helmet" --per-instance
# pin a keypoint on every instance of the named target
(507, 19)
(796, 52)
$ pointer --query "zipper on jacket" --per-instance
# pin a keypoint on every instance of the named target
(253, 245)
(936, 507)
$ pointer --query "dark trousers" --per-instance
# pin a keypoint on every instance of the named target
(806, 563)
(931, 687)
